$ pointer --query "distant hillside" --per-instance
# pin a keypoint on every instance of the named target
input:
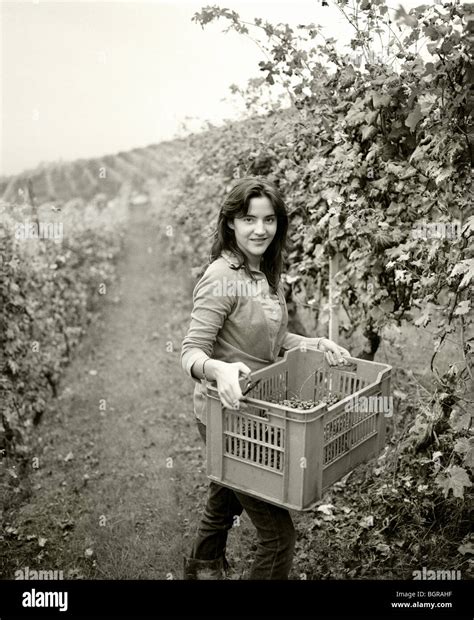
(87, 177)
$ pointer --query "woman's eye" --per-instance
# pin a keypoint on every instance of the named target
(249, 220)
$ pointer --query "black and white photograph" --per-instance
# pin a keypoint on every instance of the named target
(236, 308)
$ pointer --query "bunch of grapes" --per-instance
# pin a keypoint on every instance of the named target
(331, 398)
(296, 403)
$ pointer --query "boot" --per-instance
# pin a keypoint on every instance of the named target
(204, 569)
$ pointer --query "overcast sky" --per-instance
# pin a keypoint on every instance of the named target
(84, 79)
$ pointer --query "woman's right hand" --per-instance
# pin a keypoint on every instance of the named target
(227, 378)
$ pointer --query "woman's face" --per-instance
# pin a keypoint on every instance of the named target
(255, 231)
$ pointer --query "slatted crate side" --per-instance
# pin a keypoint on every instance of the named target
(336, 436)
(254, 439)
(355, 444)
(348, 415)
(341, 459)
(321, 384)
(272, 386)
(346, 382)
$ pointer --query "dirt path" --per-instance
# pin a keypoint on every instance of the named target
(119, 479)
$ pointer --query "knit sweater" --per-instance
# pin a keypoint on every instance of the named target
(234, 320)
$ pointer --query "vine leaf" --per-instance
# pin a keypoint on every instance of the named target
(367, 521)
(368, 131)
(402, 16)
(465, 267)
(381, 101)
(465, 446)
(424, 319)
(455, 478)
(468, 227)
(326, 509)
(466, 548)
(459, 421)
(463, 307)
(414, 118)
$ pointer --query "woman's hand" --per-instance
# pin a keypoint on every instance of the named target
(227, 377)
(333, 352)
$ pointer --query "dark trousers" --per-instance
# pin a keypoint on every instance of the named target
(275, 532)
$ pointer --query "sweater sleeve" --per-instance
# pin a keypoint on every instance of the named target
(293, 340)
(211, 306)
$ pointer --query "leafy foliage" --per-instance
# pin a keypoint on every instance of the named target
(48, 292)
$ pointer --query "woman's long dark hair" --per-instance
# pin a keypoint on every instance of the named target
(236, 204)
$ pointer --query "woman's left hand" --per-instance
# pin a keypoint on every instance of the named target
(333, 352)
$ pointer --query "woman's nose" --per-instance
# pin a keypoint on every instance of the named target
(259, 228)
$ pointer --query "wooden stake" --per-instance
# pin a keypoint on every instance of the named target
(32, 201)
(333, 269)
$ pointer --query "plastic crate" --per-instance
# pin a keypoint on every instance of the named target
(287, 456)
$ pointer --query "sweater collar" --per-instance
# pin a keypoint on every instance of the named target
(232, 260)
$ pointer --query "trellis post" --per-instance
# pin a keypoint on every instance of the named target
(333, 269)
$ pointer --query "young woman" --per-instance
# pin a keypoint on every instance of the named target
(239, 325)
